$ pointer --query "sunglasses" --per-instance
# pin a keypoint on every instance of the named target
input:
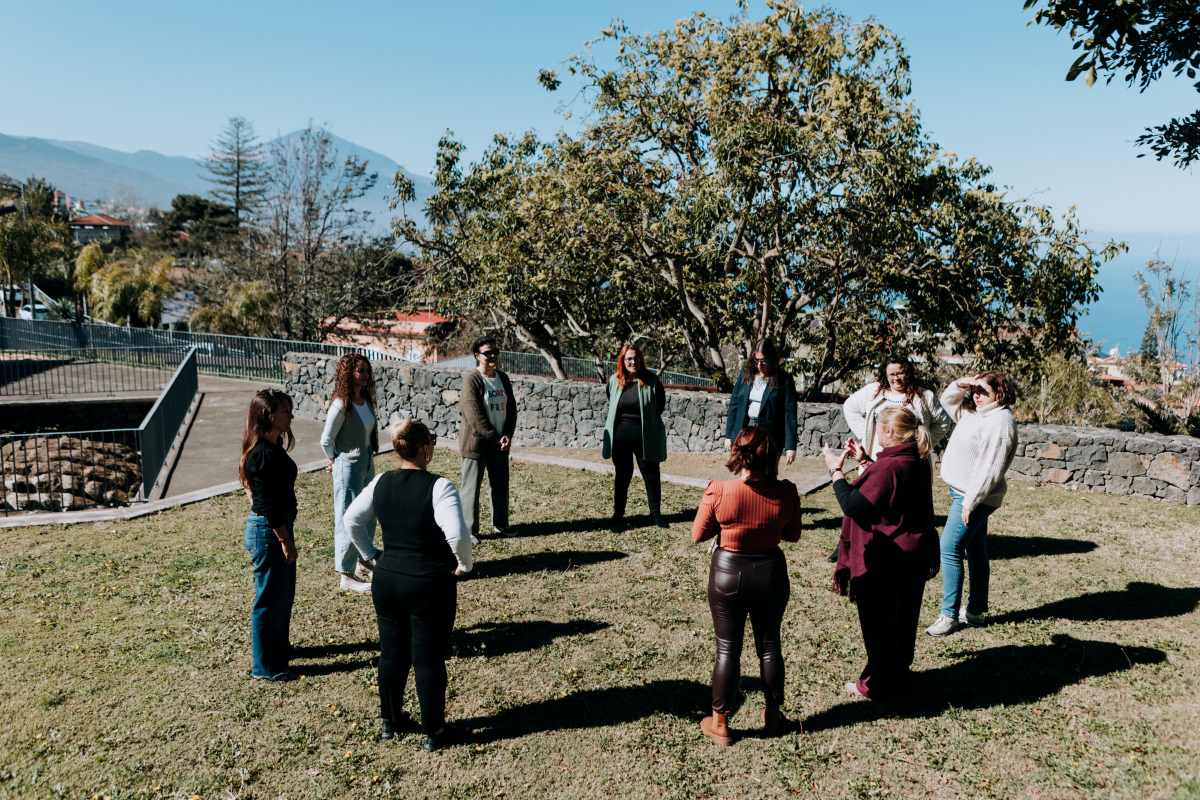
(490, 355)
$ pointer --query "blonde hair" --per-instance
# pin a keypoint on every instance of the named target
(905, 427)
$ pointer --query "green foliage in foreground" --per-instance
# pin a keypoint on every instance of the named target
(583, 659)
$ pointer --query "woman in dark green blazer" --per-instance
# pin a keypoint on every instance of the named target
(764, 397)
(633, 430)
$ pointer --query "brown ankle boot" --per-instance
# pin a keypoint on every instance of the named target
(716, 727)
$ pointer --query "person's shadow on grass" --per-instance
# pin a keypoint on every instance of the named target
(998, 676)
(1137, 601)
(594, 524)
(553, 561)
(491, 639)
(592, 708)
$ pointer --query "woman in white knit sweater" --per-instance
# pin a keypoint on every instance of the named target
(895, 384)
(980, 450)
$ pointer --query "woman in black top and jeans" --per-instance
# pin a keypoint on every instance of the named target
(269, 476)
(425, 545)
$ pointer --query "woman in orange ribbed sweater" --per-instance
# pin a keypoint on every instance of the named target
(749, 516)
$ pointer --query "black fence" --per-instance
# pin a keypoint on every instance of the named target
(250, 357)
(63, 372)
(159, 429)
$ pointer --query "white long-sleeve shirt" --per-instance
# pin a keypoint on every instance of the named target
(980, 450)
(359, 520)
(333, 424)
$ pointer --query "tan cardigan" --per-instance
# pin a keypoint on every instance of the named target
(476, 432)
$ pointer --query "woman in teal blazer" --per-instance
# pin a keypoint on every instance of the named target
(764, 397)
(633, 430)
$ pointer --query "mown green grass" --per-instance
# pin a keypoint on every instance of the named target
(583, 660)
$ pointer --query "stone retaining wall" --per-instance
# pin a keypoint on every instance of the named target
(556, 413)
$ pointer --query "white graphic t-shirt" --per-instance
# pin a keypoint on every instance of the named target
(496, 401)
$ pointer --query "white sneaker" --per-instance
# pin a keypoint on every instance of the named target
(965, 618)
(349, 583)
(942, 626)
(474, 539)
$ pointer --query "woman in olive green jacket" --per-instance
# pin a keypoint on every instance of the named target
(634, 430)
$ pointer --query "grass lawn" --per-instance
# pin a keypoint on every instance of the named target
(583, 658)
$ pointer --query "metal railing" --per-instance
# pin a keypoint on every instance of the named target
(585, 368)
(250, 357)
(89, 370)
(158, 430)
(84, 469)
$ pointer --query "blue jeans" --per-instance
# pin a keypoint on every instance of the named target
(969, 540)
(351, 474)
(274, 593)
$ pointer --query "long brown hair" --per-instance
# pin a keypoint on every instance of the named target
(258, 424)
(623, 376)
(770, 355)
(343, 381)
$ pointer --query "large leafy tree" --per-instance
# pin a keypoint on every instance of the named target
(237, 168)
(1136, 40)
(741, 179)
(773, 177)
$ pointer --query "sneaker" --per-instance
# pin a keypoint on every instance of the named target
(853, 691)
(474, 540)
(966, 618)
(943, 626)
(278, 677)
(501, 533)
(349, 583)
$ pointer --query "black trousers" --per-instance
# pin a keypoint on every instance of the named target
(741, 584)
(416, 617)
(889, 608)
(627, 448)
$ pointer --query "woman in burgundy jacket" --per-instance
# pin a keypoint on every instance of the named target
(888, 548)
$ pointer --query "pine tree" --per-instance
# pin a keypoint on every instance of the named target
(237, 168)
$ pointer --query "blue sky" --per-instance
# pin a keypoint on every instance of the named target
(393, 76)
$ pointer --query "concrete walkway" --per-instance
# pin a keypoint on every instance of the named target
(210, 452)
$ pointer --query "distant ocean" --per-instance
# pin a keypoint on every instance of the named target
(1119, 317)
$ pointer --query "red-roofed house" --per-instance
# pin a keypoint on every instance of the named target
(99, 227)
(408, 335)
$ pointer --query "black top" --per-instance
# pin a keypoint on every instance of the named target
(271, 474)
(628, 407)
(413, 543)
(853, 504)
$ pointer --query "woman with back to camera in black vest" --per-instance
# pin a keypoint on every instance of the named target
(426, 544)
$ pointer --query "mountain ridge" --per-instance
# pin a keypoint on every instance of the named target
(92, 172)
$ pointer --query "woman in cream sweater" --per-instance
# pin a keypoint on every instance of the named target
(979, 453)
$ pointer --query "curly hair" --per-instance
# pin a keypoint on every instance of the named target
(343, 381)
